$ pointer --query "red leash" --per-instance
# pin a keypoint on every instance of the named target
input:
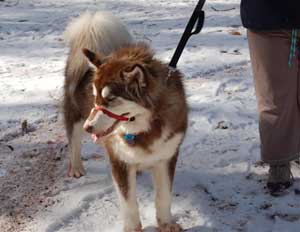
(112, 115)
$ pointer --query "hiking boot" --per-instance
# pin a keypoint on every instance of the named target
(280, 178)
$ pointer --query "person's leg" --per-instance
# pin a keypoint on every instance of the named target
(277, 87)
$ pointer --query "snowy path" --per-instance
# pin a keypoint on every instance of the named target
(219, 184)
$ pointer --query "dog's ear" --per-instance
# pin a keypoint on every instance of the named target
(136, 74)
(94, 58)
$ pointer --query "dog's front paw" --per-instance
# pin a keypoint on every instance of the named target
(137, 229)
(172, 227)
(77, 171)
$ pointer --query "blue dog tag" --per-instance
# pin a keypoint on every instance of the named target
(129, 138)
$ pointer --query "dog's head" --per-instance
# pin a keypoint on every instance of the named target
(122, 88)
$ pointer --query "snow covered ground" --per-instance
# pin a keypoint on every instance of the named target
(219, 184)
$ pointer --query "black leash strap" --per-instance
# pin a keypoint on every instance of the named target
(197, 17)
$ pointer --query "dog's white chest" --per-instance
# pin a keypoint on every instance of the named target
(162, 148)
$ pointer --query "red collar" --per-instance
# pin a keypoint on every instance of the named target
(112, 115)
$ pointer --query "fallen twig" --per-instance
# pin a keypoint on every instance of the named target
(215, 9)
(12, 4)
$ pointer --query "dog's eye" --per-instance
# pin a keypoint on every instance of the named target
(111, 98)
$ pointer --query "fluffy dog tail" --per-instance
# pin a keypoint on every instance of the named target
(98, 32)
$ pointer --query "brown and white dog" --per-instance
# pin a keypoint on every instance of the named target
(130, 103)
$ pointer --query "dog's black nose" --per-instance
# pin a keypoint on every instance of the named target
(88, 128)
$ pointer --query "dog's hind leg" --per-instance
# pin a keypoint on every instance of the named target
(163, 174)
(75, 133)
(124, 177)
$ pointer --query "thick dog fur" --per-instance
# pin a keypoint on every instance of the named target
(99, 32)
(127, 80)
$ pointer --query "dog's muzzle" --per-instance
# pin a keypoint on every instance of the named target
(113, 115)
(88, 128)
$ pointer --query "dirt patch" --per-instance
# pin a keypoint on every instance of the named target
(32, 169)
